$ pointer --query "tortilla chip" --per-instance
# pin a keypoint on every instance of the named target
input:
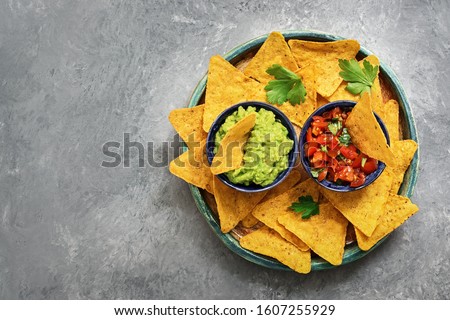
(377, 101)
(324, 233)
(249, 221)
(362, 207)
(188, 122)
(291, 180)
(398, 210)
(404, 151)
(325, 56)
(225, 87)
(273, 51)
(321, 101)
(390, 117)
(192, 167)
(366, 133)
(233, 205)
(268, 242)
(231, 149)
(269, 211)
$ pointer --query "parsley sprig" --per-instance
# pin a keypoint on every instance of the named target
(359, 79)
(286, 86)
(306, 206)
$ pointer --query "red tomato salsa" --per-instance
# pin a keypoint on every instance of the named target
(332, 155)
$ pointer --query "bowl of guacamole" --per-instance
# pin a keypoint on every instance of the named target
(269, 153)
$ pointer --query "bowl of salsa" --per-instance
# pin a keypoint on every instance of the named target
(328, 154)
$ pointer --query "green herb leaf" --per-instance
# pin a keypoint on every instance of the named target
(359, 79)
(324, 148)
(363, 162)
(334, 127)
(287, 86)
(315, 172)
(345, 138)
(306, 206)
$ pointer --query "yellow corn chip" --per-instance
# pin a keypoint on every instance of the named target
(404, 151)
(398, 210)
(188, 123)
(233, 205)
(273, 51)
(390, 117)
(269, 211)
(268, 242)
(249, 221)
(227, 86)
(231, 148)
(366, 133)
(324, 233)
(325, 56)
(362, 207)
(292, 179)
(321, 101)
(192, 167)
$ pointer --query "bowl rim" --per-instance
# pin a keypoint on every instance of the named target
(352, 252)
(292, 156)
(345, 104)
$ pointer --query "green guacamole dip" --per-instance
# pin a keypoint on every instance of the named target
(266, 151)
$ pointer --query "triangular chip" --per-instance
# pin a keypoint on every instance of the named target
(188, 122)
(324, 233)
(390, 117)
(231, 149)
(321, 101)
(268, 242)
(398, 210)
(233, 205)
(192, 167)
(249, 221)
(366, 133)
(325, 56)
(269, 211)
(292, 179)
(341, 92)
(273, 51)
(225, 87)
(404, 151)
(362, 207)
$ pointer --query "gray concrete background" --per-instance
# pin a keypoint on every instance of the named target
(76, 74)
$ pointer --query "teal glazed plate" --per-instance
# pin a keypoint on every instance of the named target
(388, 78)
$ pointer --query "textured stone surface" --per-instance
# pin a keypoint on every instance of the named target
(76, 74)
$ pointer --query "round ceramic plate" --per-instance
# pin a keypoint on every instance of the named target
(393, 89)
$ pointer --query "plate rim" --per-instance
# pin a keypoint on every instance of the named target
(352, 252)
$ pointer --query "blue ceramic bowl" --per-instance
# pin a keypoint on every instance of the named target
(210, 144)
(345, 105)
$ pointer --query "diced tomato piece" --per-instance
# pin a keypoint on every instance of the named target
(346, 174)
(311, 150)
(324, 138)
(316, 131)
(322, 174)
(357, 162)
(349, 152)
(359, 181)
(336, 112)
(319, 159)
(370, 166)
(309, 137)
(333, 152)
(334, 143)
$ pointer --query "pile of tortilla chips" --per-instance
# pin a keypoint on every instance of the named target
(270, 227)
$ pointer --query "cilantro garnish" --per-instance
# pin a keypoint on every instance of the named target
(287, 86)
(345, 138)
(363, 162)
(306, 206)
(359, 79)
(335, 126)
(315, 171)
